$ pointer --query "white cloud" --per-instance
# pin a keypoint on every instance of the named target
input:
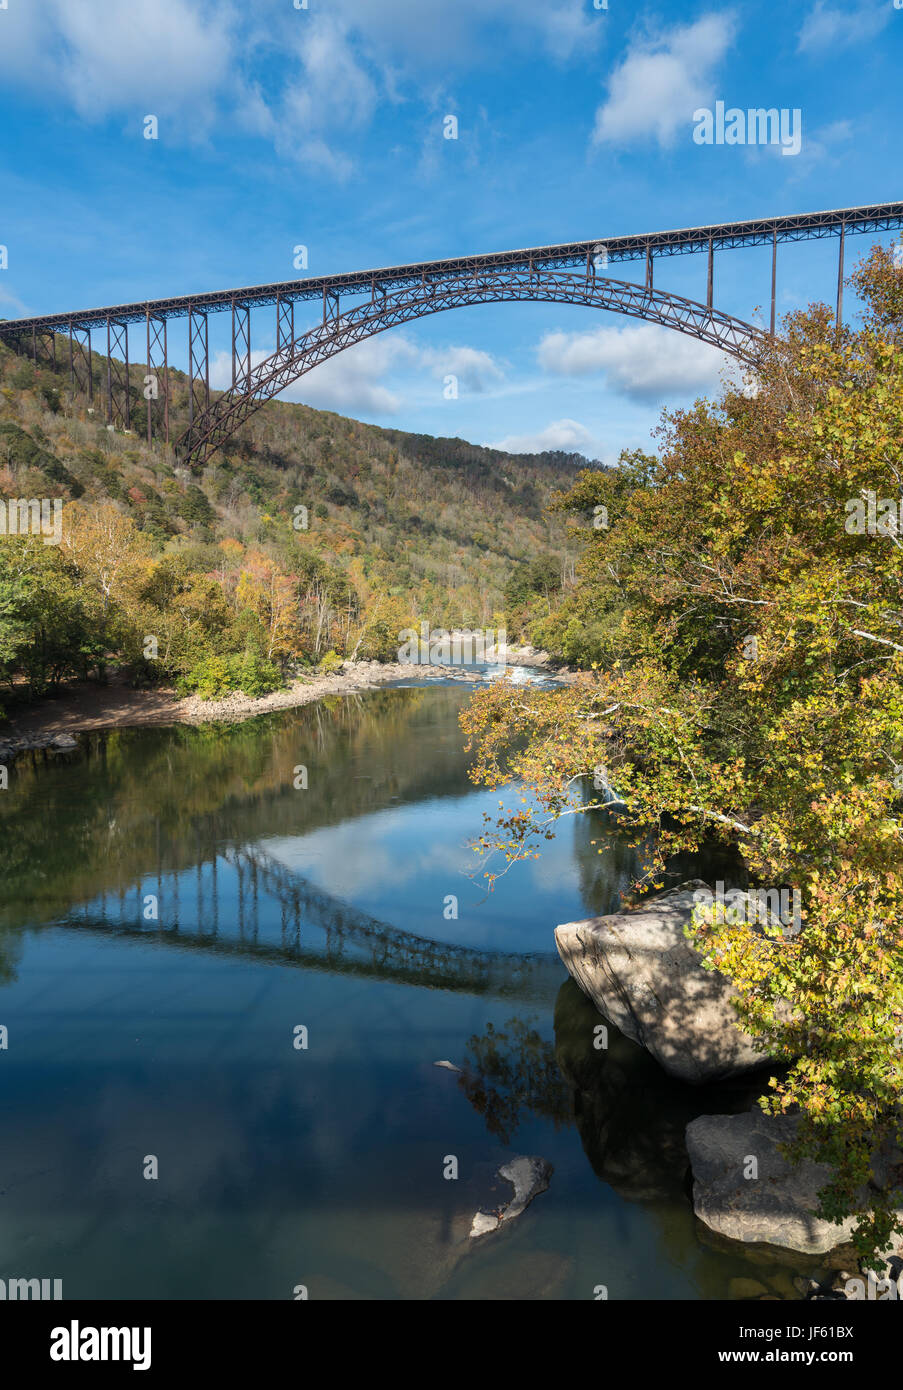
(350, 382)
(7, 297)
(645, 361)
(365, 856)
(828, 27)
(827, 145)
(203, 59)
(25, 53)
(568, 435)
(170, 55)
(429, 35)
(476, 370)
(375, 377)
(353, 382)
(662, 81)
(221, 368)
(568, 30)
(332, 94)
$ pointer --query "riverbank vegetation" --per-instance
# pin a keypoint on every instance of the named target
(309, 539)
(744, 608)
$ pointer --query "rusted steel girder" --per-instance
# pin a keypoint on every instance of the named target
(156, 387)
(198, 364)
(285, 323)
(80, 365)
(43, 347)
(208, 431)
(648, 246)
(119, 405)
(241, 341)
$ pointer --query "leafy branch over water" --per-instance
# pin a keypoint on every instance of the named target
(749, 688)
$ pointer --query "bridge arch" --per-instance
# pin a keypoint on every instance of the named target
(210, 429)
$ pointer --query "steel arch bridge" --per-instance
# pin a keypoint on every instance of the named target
(339, 331)
(570, 273)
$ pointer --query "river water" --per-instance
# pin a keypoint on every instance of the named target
(225, 996)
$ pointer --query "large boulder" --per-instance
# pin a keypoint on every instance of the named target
(642, 974)
(630, 1115)
(767, 1201)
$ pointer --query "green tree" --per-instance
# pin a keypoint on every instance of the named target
(753, 692)
(46, 628)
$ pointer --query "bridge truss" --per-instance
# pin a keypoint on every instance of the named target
(571, 273)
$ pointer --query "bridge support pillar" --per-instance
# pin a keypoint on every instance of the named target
(198, 364)
(241, 341)
(119, 406)
(80, 373)
(648, 267)
(157, 387)
(774, 274)
(285, 323)
(43, 347)
(840, 278)
(711, 276)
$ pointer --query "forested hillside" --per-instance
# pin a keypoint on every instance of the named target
(222, 569)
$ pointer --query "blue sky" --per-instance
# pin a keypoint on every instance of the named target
(323, 126)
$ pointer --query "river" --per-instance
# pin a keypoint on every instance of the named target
(225, 995)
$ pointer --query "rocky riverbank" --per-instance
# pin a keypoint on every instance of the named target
(52, 724)
(642, 974)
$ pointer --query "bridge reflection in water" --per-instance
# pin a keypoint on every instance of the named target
(243, 902)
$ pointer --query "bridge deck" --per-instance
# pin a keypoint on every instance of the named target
(768, 230)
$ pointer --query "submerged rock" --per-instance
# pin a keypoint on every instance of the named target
(742, 1289)
(528, 1176)
(35, 743)
(448, 1066)
(772, 1203)
(642, 973)
(483, 1223)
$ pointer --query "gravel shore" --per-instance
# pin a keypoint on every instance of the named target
(54, 723)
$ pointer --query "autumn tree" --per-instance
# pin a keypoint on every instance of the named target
(47, 629)
(264, 591)
(752, 692)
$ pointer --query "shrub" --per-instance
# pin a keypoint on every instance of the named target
(258, 677)
(331, 663)
(214, 677)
